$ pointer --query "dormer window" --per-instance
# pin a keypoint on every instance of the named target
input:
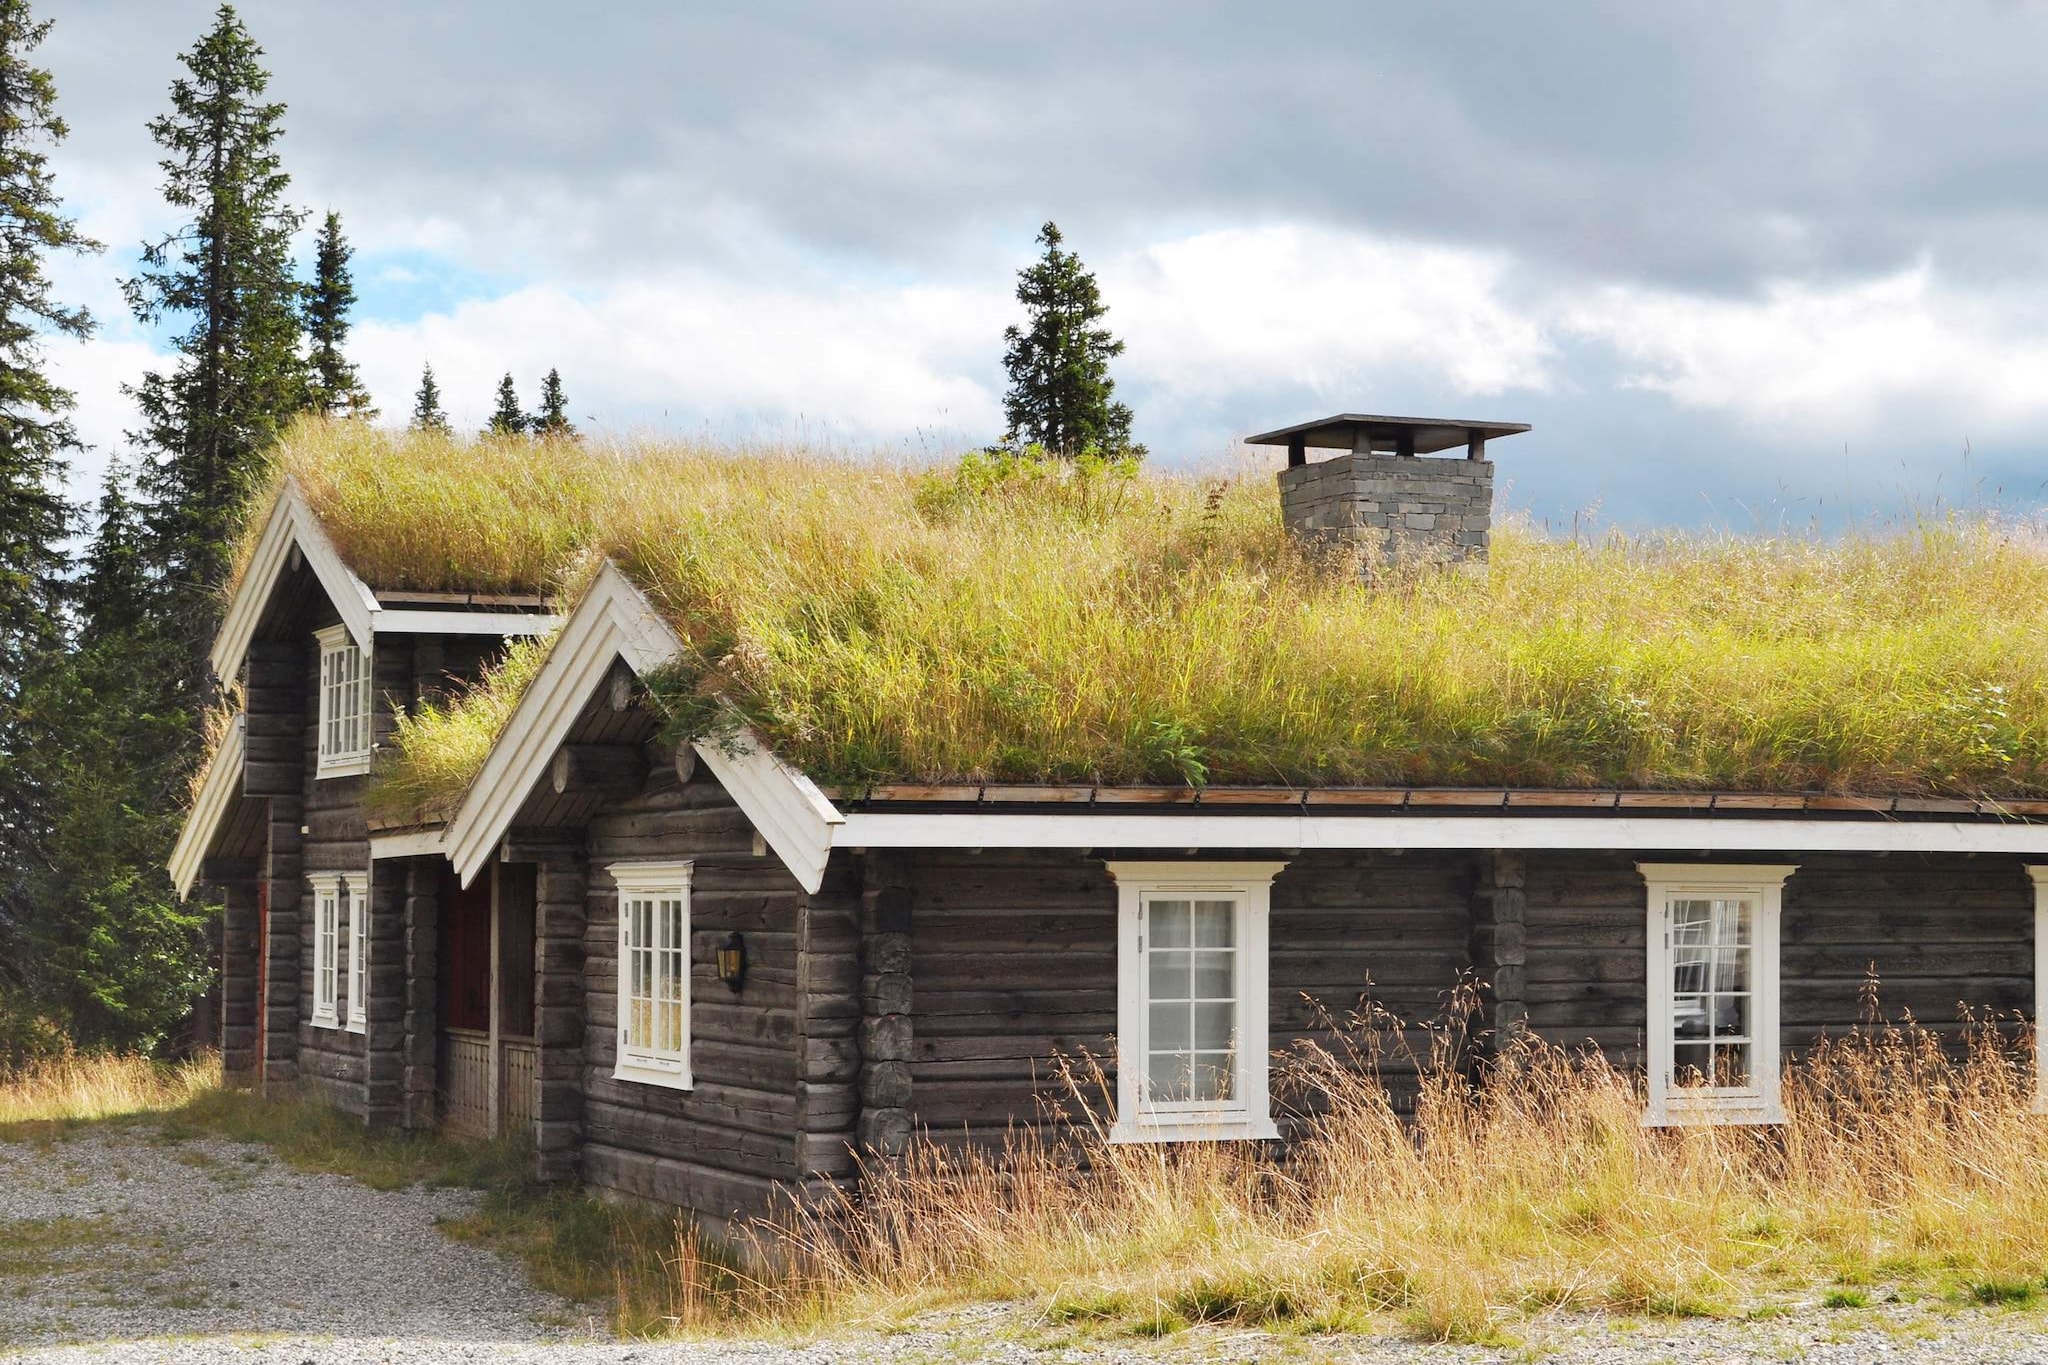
(344, 704)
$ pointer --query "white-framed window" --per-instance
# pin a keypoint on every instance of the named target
(1713, 991)
(654, 973)
(2039, 876)
(1191, 1005)
(344, 716)
(341, 939)
(355, 892)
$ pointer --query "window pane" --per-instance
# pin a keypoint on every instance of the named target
(1168, 974)
(1215, 975)
(1731, 1064)
(1731, 969)
(1689, 1017)
(1689, 1064)
(1168, 1028)
(1169, 924)
(1211, 1080)
(1215, 924)
(1167, 1077)
(1731, 921)
(1214, 1025)
(1730, 1015)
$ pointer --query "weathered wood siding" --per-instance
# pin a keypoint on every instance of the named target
(719, 1147)
(1936, 933)
(1013, 962)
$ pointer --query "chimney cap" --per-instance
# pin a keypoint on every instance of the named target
(1427, 434)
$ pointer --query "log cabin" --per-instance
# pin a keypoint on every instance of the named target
(691, 971)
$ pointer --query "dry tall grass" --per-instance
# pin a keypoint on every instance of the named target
(970, 621)
(92, 1085)
(1901, 1167)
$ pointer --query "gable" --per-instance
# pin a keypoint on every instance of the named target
(616, 624)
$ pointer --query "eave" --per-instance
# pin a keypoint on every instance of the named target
(218, 788)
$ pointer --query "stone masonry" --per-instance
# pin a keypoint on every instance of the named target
(1397, 506)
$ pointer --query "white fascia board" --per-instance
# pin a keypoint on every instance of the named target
(409, 621)
(416, 843)
(615, 621)
(217, 791)
(794, 817)
(875, 829)
(291, 523)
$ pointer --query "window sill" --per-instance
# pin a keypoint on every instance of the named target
(1195, 1128)
(341, 767)
(1731, 1113)
(652, 1075)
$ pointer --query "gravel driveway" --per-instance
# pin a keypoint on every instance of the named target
(118, 1246)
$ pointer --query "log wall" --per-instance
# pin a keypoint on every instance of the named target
(721, 1147)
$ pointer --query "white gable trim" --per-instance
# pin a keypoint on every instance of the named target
(291, 523)
(1707, 834)
(217, 792)
(615, 621)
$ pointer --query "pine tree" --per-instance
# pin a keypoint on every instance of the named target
(35, 437)
(240, 375)
(552, 422)
(336, 388)
(506, 418)
(426, 405)
(1061, 396)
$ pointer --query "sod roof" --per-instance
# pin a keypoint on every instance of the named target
(976, 621)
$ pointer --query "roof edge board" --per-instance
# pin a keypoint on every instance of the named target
(223, 778)
(419, 621)
(291, 523)
(615, 621)
(1710, 834)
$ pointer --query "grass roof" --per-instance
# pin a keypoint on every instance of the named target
(976, 620)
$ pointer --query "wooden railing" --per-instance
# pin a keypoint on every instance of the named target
(465, 1067)
(515, 1084)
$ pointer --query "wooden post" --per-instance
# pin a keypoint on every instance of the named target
(886, 1021)
(1475, 444)
(1404, 442)
(1499, 949)
(1297, 451)
(497, 981)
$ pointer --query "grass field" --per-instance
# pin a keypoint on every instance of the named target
(1002, 621)
(1905, 1173)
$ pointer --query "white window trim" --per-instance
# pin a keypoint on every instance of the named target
(333, 640)
(2039, 876)
(1250, 1115)
(358, 887)
(1760, 1103)
(326, 940)
(649, 1066)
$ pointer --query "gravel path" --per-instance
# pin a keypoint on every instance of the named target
(119, 1248)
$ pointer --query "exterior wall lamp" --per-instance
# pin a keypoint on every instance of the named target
(732, 961)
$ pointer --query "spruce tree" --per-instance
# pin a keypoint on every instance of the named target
(1061, 396)
(506, 417)
(336, 389)
(552, 422)
(426, 405)
(226, 274)
(36, 436)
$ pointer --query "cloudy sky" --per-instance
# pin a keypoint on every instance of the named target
(1737, 263)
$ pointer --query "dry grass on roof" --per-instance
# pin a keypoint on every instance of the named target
(970, 621)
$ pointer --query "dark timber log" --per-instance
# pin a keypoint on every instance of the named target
(597, 770)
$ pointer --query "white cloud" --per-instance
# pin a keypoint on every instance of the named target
(1907, 353)
(691, 349)
(1336, 311)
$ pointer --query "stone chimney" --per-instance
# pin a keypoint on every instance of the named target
(1390, 490)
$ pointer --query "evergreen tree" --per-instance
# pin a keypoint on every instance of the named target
(240, 375)
(119, 959)
(552, 422)
(336, 388)
(35, 437)
(1061, 396)
(506, 418)
(426, 405)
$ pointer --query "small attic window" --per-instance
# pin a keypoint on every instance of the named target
(344, 704)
